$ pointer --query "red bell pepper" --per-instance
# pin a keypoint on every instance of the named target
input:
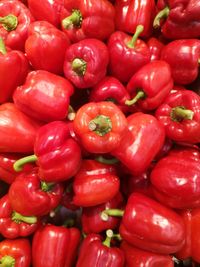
(133, 151)
(55, 246)
(127, 54)
(57, 154)
(18, 131)
(15, 253)
(181, 18)
(45, 47)
(140, 258)
(88, 19)
(86, 62)
(149, 225)
(180, 115)
(91, 220)
(175, 179)
(95, 183)
(15, 19)
(182, 56)
(30, 196)
(44, 96)
(13, 224)
(155, 47)
(150, 85)
(95, 253)
(131, 13)
(67, 197)
(47, 10)
(14, 68)
(100, 126)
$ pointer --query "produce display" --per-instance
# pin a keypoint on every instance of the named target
(99, 133)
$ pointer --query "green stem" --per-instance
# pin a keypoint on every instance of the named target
(70, 222)
(17, 217)
(75, 19)
(2, 47)
(109, 235)
(101, 159)
(181, 113)
(101, 125)
(79, 66)
(18, 165)
(140, 95)
(161, 15)
(46, 187)
(7, 261)
(71, 113)
(9, 22)
(111, 212)
(133, 41)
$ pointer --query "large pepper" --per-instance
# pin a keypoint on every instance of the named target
(15, 19)
(44, 96)
(140, 258)
(45, 47)
(150, 85)
(14, 68)
(15, 252)
(183, 58)
(175, 179)
(57, 154)
(131, 13)
(95, 183)
(181, 18)
(127, 54)
(13, 224)
(149, 225)
(95, 253)
(88, 19)
(86, 62)
(30, 196)
(17, 130)
(55, 246)
(180, 115)
(133, 151)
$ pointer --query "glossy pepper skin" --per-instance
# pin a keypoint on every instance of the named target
(180, 115)
(45, 47)
(100, 126)
(55, 246)
(142, 225)
(94, 184)
(140, 258)
(182, 56)
(131, 13)
(181, 19)
(86, 62)
(44, 96)
(30, 196)
(18, 131)
(15, 252)
(133, 151)
(88, 19)
(14, 68)
(127, 54)
(47, 10)
(13, 224)
(15, 19)
(175, 179)
(93, 253)
(150, 85)
(155, 47)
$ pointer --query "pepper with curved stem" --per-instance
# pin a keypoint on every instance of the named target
(9, 22)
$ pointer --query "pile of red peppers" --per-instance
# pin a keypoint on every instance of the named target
(99, 133)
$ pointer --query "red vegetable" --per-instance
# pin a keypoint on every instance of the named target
(155, 47)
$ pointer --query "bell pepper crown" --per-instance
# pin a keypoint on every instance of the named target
(9, 22)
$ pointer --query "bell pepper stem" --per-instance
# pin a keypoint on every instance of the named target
(7, 261)
(161, 15)
(71, 113)
(9, 22)
(111, 212)
(17, 217)
(75, 19)
(2, 47)
(101, 159)
(18, 165)
(181, 113)
(140, 94)
(70, 222)
(79, 66)
(138, 31)
(109, 235)
(101, 125)
(46, 187)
